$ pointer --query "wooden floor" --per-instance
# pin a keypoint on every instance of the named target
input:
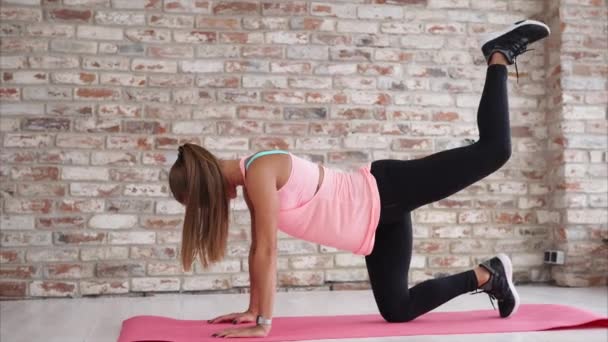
(99, 319)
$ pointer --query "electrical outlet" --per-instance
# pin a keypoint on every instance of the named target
(554, 257)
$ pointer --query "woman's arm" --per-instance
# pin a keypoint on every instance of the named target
(253, 295)
(261, 186)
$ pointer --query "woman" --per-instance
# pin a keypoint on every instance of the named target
(366, 211)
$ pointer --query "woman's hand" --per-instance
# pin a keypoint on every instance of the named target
(255, 331)
(235, 318)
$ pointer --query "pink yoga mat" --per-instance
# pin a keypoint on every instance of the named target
(530, 317)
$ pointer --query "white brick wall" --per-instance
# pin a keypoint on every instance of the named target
(97, 95)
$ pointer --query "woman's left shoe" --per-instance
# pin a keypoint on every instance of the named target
(500, 286)
(515, 39)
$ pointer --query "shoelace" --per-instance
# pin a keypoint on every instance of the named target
(492, 298)
(520, 48)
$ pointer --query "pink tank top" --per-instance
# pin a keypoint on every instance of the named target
(343, 214)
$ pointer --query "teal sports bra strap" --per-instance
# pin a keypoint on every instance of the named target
(264, 153)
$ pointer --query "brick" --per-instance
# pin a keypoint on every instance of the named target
(414, 41)
(23, 45)
(351, 54)
(98, 32)
(258, 112)
(102, 287)
(148, 35)
(171, 20)
(92, 125)
(13, 62)
(195, 36)
(218, 23)
(357, 27)
(312, 24)
(79, 141)
(84, 173)
(260, 23)
(300, 278)
(287, 97)
(25, 77)
(187, 6)
(308, 52)
(147, 95)
(101, 3)
(448, 3)
(442, 28)
(47, 288)
(126, 238)
(15, 289)
(106, 63)
(71, 15)
(587, 216)
(155, 284)
(113, 158)
(54, 62)
(21, 109)
(159, 158)
(78, 78)
(151, 190)
(241, 38)
(104, 253)
(291, 67)
(175, 51)
(51, 30)
(97, 93)
(150, 65)
(286, 128)
(397, 27)
(201, 283)
(153, 252)
(168, 237)
(35, 173)
(235, 7)
(20, 14)
(47, 93)
(285, 9)
(64, 157)
(379, 12)
(27, 140)
(218, 51)
(80, 205)
(162, 222)
(7, 29)
(333, 10)
(336, 69)
(25, 238)
(176, 81)
(68, 271)
(51, 255)
(218, 82)
(16, 222)
(137, 4)
(119, 18)
(198, 97)
(67, 222)
(11, 256)
(316, 143)
(193, 127)
(345, 275)
(202, 66)
(310, 82)
(119, 270)
(285, 37)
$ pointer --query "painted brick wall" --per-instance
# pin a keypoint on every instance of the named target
(97, 95)
(579, 140)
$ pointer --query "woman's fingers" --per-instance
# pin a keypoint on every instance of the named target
(223, 318)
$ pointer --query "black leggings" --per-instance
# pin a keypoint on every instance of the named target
(405, 185)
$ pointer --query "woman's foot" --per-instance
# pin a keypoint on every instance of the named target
(500, 286)
(514, 41)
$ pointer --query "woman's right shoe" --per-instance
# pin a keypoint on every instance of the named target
(500, 286)
(514, 41)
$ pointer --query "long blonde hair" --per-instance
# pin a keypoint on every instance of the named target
(196, 181)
